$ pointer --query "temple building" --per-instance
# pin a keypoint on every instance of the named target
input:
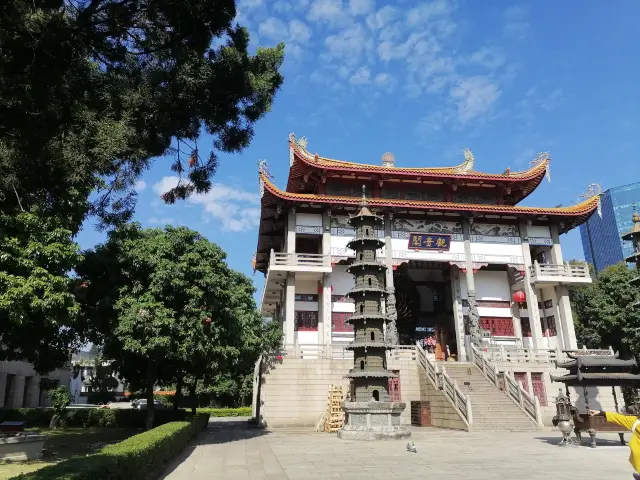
(465, 264)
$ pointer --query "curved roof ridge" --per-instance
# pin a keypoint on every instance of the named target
(586, 205)
(318, 161)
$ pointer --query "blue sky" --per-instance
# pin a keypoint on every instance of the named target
(424, 80)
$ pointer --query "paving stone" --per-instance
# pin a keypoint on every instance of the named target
(232, 450)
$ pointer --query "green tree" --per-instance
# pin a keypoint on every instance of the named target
(92, 90)
(60, 400)
(162, 305)
(604, 311)
(37, 305)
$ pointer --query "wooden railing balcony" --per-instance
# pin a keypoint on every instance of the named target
(300, 261)
(559, 273)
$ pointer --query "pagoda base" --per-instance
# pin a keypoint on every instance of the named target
(373, 421)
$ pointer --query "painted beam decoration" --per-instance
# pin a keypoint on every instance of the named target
(429, 241)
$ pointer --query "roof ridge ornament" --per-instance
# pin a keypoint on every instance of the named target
(388, 160)
(469, 161)
(593, 190)
(540, 158)
(263, 171)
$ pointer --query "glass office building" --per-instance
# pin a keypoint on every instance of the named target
(601, 235)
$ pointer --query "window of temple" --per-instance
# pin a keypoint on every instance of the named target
(339, 322)
(373, 336)
(369, 281)
(526, 327)
(361, 364)
(376, 395)
(306, 321)
(498, 326)
(361, 308)
(359, 255)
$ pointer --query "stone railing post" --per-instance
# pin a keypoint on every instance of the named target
(469, 414)
(536, 403)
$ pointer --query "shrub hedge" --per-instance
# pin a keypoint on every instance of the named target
(226, 412)
(134, 458)
(92, 417)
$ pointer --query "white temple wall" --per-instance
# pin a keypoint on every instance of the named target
(490, 285)
(342, 282)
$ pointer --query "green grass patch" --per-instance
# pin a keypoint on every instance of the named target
(134, 458)
(63, 444)
(226, 412)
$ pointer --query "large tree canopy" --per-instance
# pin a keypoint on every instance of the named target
(604, 311)
(37, 306)
(92, 90)
(166, 306)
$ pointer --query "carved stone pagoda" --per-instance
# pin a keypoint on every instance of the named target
(371, 413)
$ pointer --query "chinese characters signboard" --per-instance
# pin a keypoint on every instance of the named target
(429, 241)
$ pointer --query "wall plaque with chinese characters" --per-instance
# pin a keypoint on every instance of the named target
(429, 241)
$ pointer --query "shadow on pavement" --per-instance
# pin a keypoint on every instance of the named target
(586, 442)
(219, 430)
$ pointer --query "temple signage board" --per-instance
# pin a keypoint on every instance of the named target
(429, 241)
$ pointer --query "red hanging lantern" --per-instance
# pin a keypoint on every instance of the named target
(278, 357)
(519, 296)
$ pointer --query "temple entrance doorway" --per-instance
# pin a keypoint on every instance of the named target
(425, 306)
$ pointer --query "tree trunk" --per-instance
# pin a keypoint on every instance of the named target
(192, 392)
(151, 408)
(178, 397)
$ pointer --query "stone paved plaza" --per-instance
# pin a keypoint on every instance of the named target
(231, 450)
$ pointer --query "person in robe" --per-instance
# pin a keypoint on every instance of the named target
(630, 422)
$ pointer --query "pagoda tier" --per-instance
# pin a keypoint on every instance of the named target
(309, 171)
(275, 201)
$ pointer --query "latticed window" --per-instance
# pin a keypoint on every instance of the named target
(548, 303)
(306, 321)
(526, 327)
(339, 322)
(498, 326)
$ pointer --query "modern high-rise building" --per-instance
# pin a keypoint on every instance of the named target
(601, 233)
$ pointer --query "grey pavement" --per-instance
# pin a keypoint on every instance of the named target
(231, 449)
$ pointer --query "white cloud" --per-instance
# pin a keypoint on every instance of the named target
(274, 29)
(515, 22)
(385, 82)
(237, 210)
(425, 12)
(299, 32)
(474, 97)
(249, 4)
(553, 100)
(281, 6)
(140, 185)
(361, 7)
(488, 57)
(361, 76)
(330, 11)
(382, 17)
(350, 44)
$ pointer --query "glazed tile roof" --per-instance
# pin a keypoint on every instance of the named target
(587, 207)
(459, 171)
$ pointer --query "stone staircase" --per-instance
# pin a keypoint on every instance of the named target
(492, 409)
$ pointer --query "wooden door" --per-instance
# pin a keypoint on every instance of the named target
(537, 382)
